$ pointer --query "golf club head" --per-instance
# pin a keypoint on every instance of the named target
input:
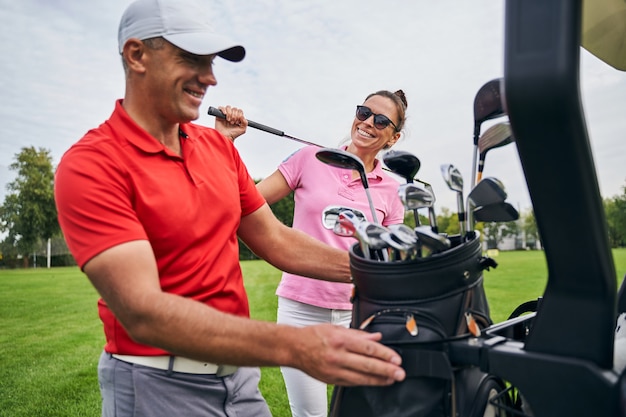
(346, 224)
(495, 136)
(404, 233)
(452, 176)
(370, 234)
(402, 163)
(373, 231)
(498, 212)
(487, 104)
(431, 240)
(342, 159)
(330, 215)
(488, 191)
(414, 197)
(400, 250)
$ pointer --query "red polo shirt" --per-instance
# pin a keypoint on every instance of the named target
(119, 184)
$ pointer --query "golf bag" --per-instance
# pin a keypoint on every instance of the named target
(418, 306)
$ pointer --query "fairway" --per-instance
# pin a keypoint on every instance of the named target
(51, 337)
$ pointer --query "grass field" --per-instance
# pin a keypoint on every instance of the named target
(51, 337)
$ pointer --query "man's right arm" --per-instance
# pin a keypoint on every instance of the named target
(127, 279)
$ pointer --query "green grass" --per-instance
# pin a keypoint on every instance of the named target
(51, 337)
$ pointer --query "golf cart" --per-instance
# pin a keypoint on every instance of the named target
(564, 365)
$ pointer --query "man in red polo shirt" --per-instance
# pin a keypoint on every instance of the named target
(151, 206)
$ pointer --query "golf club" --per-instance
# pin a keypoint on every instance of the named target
(497, 212)
(432, 218)
(414, 197)
(347, 225)
(343, 159)
(403, 233)
(433, 241)
(496, 136)
(406, 235)
(487, 105)
(406, 165)
(453, 178)
(400, 250)
(488, 191)
(370, 233)
(218, 113)
(331, 214)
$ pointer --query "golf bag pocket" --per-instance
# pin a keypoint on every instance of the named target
(417, 338)
(417, 306)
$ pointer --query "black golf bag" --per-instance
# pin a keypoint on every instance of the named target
(418, 306)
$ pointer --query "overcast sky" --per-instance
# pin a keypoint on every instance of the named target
(308, 64)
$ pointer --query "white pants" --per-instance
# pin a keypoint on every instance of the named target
(307, 396)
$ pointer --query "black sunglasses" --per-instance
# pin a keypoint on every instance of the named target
(380, 120)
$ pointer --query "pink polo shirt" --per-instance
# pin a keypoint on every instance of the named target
(316, 186)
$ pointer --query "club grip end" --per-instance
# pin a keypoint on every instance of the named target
(216, 112)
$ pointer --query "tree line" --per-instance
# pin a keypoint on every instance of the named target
(28, 218)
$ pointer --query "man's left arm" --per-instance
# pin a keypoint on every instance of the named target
(291, 250)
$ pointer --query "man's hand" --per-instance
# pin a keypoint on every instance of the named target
(342, 356)
(234, 125)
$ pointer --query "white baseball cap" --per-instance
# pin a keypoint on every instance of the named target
(184, 23)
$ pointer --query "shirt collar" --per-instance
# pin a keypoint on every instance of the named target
(377, 172)
(135, 134)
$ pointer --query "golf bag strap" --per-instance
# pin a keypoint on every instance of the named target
(425, 363)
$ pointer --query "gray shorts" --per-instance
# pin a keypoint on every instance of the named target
(130, 390)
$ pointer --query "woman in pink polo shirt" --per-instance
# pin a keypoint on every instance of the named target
(304, 301)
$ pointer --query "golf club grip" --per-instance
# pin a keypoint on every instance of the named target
(218, 113)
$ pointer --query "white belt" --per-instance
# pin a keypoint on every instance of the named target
(180, 364)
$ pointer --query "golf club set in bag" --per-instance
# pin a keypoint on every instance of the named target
(424, 289)
(421, 288)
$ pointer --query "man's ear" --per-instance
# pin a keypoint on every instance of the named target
(133, 54)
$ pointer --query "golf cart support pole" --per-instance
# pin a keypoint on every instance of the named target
(564, 366)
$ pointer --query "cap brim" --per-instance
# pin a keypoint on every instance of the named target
(208, 44)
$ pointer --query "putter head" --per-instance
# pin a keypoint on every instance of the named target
(330, 215)
(402, 163)
(498, 213)
(488, 191)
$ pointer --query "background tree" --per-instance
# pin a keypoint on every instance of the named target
(28, 213)
(448, 222)
(615, 211)
(529, 228)
(494, 233)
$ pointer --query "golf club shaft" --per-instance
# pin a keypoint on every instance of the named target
(218, 113)
(371, 204)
